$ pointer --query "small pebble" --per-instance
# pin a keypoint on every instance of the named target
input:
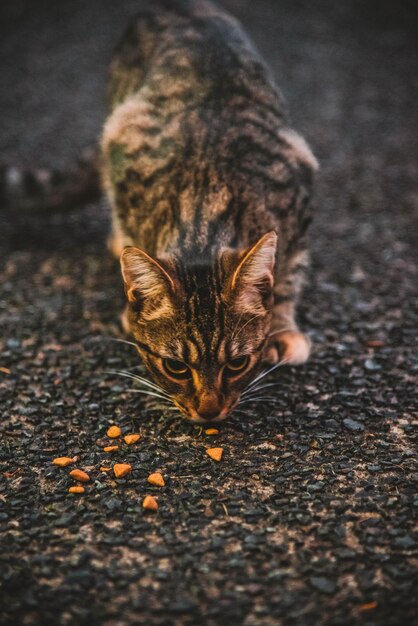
(371, 365)
(323, 584)
(352, 424)
(113, 432)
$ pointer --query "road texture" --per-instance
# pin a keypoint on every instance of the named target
(308, 519)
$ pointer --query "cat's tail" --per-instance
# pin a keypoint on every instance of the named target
(50, 190)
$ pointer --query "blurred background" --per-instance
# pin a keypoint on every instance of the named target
(347, 70)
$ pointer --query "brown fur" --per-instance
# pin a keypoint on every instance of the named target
(210, 192)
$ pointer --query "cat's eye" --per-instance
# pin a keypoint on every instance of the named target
(176, 369)
(237, 365)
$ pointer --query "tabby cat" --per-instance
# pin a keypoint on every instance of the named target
(210, 192)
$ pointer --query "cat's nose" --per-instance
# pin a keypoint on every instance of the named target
(209, 415)
(209, 407)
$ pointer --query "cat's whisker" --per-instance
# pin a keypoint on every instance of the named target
(149, 409)
(257, 393)
(150, 384)
(259, 388)
(265, 373)
(281, 330)
(235, 335)
(236, 325)
(130, 343)
(155, 407)
(141, 380)
(161, 402)
(252, 392)
(155, 392)
(164, 409)
(164, 404)
(255, 398)
(145, 392)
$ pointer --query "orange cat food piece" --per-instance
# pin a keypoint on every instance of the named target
(129, 439)
(76, 489)
(156, 479)
(150, 503)
(110, 448)
(105, 469)
(211, 431)
(77, 474)
(113, 432)
(215, 453)
(369, 606)
(121, 469)
(63, 461)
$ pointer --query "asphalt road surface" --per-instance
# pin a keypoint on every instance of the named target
(308, 519)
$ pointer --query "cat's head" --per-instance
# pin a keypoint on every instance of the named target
(201, 327)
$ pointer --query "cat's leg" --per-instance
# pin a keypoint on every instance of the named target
(287, 343)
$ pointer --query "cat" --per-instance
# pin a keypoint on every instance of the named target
(210, 193)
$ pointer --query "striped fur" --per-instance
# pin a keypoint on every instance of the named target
(199, 164)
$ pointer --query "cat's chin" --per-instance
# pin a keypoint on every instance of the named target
(201, 420)
(197, 419)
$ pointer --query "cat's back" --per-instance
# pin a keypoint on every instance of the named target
(188, 52)
(193, 128)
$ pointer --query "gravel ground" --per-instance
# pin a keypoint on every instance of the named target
(309, 517)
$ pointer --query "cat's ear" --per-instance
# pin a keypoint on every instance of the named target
(146, 280)
(253, 279)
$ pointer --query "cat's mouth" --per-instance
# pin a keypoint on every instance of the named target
(192, 415)
(206, 420)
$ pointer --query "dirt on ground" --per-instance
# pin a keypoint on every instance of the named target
(310, 516)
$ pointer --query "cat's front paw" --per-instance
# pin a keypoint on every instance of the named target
(291, 347)
(271, 354)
